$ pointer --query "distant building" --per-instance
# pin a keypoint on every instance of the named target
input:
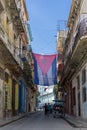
(61, 36)
(46, 95)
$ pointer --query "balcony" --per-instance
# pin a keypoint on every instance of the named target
(8, 59)
(9, 54)
(15, 15)
(1, 6)
(78, 53)
(79, 48)
(60, 57)
(60, 67)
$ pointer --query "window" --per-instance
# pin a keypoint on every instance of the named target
(74, 98)
(15, 37)
(83, 76)
(7, 20)
(84, 94)
(6, 77)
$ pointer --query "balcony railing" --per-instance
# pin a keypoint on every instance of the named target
(82, 31)
(11, 49)
(79, 45)
(15, 13)
(1, 6)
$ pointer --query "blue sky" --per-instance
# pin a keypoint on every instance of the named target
(46, 16)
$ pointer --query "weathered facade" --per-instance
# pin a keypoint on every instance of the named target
(60, 44)
(61, 36)
(15, 68)
(74, 76)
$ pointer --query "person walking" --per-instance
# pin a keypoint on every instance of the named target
(46, 108)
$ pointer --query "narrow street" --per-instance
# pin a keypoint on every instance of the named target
(38, 121)
(43, 64)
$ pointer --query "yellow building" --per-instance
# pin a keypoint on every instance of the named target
(13, 43)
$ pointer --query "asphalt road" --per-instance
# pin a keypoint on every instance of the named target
(38, 121)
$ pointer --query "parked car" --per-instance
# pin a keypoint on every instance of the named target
(58, 109)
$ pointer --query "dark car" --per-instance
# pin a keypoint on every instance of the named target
(58, 110)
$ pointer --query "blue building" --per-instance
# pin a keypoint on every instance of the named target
(22, 95)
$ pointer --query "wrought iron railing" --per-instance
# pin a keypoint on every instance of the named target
(82, 31)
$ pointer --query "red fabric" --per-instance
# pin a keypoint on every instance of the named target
(44, 61)
(60, 66)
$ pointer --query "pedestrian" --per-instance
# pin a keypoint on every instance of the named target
(49, 108)
(45, 109)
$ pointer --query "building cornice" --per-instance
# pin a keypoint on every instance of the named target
(73, 11)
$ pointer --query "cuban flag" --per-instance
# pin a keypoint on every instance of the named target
(45, 69)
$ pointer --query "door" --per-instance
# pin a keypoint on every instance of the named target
(78, 96)
(13, 97)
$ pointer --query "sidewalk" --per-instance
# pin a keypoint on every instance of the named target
(76, 121)
(5, 121)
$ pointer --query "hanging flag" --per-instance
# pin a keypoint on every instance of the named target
(45, 69)
(45, 89)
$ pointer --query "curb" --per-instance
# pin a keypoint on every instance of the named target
(13, 120)
(74, 124)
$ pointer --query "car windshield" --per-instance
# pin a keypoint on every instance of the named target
(59, 103)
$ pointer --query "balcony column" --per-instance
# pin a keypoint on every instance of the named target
(69, 98)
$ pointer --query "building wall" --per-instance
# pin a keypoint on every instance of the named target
(75, 62)
(74, 85)
(1, 98)
(31, 100)
(22, 96)
(83, 95)
(83, 7)
(10, 97)
(16, 96)
(13, 38)
(46, 95)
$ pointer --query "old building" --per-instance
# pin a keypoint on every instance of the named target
(15, 69)
(61, 36)
(74, 76)
(60, 44)
(46, 95)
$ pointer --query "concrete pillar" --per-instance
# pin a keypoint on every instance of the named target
(81, 107)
